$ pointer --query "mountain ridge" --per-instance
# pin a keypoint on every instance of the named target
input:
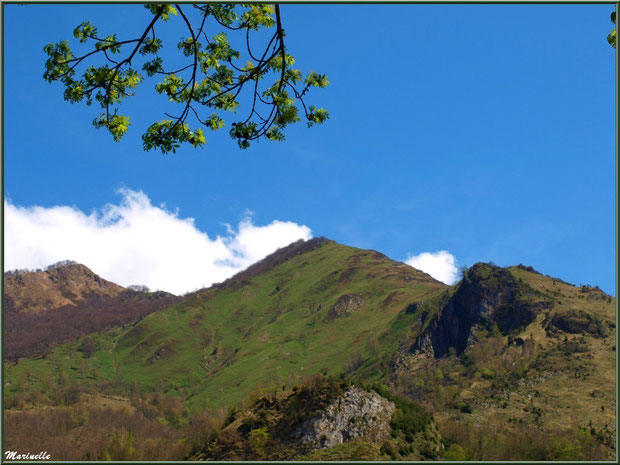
(509, 347)
(59, 285)
(67, 301)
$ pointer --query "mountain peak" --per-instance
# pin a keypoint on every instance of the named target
(61, 284)
(508, 347)
(276, 258)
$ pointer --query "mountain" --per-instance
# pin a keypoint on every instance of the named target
(529, 356)
(60, 285)
(285, 360)
(324, 310)
(65, 302)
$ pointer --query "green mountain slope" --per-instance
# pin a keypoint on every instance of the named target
(331, 310)
(309, 315)
(507, 361)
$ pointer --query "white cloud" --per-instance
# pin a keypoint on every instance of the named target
(136, 242)
(440, 265)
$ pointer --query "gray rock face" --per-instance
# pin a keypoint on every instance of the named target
(345, 305)
(355, 414)
(424, 345)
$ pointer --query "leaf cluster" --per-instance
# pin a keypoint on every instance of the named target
(213, 82)
(611, 38)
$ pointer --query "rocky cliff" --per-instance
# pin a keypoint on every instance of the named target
(353, 415)
(323, 415)
(487, 297)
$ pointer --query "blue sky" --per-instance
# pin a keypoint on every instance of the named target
(483, 130)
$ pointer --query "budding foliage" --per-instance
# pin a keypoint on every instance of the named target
(215, 81)
(611, 38)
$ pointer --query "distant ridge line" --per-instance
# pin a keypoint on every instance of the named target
(272, 260)
(53, 266)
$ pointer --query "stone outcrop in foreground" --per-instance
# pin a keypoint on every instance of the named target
(353, 415)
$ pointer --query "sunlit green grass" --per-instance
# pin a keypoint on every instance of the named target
(223, 344)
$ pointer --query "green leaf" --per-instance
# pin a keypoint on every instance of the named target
(151, 45)
(316, 116)
(313, 79)
(164, 9)
(117, 124)
(214, 122)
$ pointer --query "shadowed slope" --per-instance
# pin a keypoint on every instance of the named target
(65, 302)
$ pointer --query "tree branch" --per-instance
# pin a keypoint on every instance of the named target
(183, 115)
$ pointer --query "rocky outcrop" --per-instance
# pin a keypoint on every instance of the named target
(162, 352)
(577, 322)
(424, 343)
(322, 414)
(487, 296)
(355, 414)
(345, 305)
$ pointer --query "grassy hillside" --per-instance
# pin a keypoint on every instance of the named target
(509, 363)
(285, 324)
